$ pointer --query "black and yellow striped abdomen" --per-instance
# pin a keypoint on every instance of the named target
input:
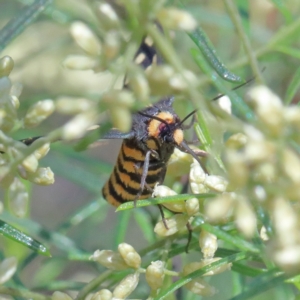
(124, 183)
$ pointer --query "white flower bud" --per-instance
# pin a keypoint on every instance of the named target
(175, 223)
(159, 77)
(245, 217)
(182, 81)
(102, 295)
(6, 65)
(155, 274)
(285, 221)
(15, 101)
(121, 118)
(259, 151)
(291, 115)
(268, 107)
(85, 38)
(237, 141)
(130, 256)
(163, 191)
(8, 268)
(112, 44)
(238, 171)
(200, 287)
(225, 104)
(18, 198)
(30, 163)
(107, 16)
(263, 234)
(77, 127)
(38, 113)
(208, 243)
(219, 208)
(192, 206)
(71, 105)
(174, 18)
(42, 176)
(79, 62)
(42, 151)
(216, 183)
(126, 286)
(139, 84)
(197, 174)
(109, 259)
(60, 296)
(291, 165)
(194, 266)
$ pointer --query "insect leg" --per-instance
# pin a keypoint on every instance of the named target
(143, 177)
(162, 215)
(190, 230)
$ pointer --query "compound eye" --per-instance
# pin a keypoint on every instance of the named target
(169, 139)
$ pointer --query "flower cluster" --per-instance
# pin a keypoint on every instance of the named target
(14, 162)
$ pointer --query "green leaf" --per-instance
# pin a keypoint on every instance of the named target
(18, 24)
(186, 279)
(293, 87)
(18, 236)
(159, 200)
(261, 284)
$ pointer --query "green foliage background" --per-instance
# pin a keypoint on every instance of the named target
(70, 217)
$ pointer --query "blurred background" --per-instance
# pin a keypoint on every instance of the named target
(38, 54)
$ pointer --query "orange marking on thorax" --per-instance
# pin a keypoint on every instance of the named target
(153, 127)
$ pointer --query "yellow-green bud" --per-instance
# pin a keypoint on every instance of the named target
(38, 113)
(218, 209)
(107, 16)
(126, 286)
(130, 256)
(111, 46)
(42, 151)
(174, 18)
(109, 259)
(71, 105)
(102, 295)
(18, 198)
(85, 38)
(6, 65)
(245, 217)
(42, 176)
(79, 62)
(192, 206)
(163, 191)
(60, 296)
(216, 183)
(155, 274)
(8, 268)
(175, 223)
(208, 243)
(77, 127)
(30, 163)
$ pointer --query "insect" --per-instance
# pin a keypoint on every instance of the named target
(142, 161)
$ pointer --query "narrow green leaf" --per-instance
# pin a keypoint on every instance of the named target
(234, 240)
(288, 50)
(241, 108)
(18, 236)
(293, 87)
(261, 284)
(186, 279)
(18, 24)
(169, 199)
(122, 227)
(205, 46)
(281, 6)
